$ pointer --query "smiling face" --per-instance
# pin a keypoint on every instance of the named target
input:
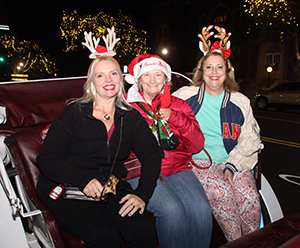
(152, 83)
(106, 79)
(214, 74)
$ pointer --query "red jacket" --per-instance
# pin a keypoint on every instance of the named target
(185, 127)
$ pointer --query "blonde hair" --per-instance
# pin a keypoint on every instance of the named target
(230, 84)
(90, 89)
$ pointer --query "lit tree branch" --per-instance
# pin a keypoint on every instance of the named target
(132, 42)
(275, 19)
(32, 56)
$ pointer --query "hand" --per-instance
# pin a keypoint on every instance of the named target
(93, 189)
(133, 204)
(228, 176)
(165, 113)
(44, 134)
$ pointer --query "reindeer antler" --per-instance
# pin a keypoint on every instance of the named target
(89, 42)
(110, 41)
(96, 50)
(224, 38)
(205, 43)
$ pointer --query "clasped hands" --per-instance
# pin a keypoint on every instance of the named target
(165, 113)
(132, 203)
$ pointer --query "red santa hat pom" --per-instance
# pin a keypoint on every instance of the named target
(144, 63)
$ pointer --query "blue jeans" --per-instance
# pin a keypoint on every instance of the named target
(182, 211)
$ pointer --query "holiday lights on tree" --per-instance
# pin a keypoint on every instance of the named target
(280, 14)
(33, 58)
(274, 19)
(132, 42)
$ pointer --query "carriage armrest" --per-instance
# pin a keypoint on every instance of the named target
(292, 243)
(281, 233)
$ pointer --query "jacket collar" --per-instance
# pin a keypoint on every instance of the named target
(201, 96)
(133, 94)
(87, 110)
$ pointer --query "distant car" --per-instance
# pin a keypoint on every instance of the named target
(282, 96)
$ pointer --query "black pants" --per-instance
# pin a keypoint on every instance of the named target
(100, 225)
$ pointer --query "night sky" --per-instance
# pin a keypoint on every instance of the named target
(38, 21)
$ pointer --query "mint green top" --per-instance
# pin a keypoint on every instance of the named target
(210, 123)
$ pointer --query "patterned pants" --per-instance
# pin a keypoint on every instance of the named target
(237, 210)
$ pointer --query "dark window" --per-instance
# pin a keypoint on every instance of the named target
(163, 32)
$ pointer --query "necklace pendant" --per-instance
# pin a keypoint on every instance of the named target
(106, 117)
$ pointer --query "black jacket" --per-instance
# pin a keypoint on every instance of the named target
(76, 150)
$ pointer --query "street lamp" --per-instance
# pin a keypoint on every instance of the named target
(269, 71)
(19, 67)
(164, 51)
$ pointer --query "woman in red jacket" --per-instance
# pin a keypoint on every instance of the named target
(179, 203)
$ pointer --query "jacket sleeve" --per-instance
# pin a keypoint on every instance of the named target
(146, 149)
(244, 155)
(183, 119)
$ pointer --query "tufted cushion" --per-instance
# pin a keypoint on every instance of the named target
(24, 152)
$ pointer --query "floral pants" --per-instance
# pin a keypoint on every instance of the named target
(237, 210)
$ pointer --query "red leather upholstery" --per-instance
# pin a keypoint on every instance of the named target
(284, 233)
(292, 243)
(36, 103)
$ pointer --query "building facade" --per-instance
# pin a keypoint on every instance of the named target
(173, 35)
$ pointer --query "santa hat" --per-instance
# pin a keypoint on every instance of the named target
(144, 63)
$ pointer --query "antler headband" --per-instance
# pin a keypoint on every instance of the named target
(222, 46)
(96, 50)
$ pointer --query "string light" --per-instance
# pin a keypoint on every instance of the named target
(281, 14)
(33, 57)
(132, 43)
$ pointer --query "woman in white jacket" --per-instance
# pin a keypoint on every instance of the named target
(232, 139)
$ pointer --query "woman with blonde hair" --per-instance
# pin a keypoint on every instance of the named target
(86, 146)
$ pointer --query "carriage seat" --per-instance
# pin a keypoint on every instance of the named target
(30, 107)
